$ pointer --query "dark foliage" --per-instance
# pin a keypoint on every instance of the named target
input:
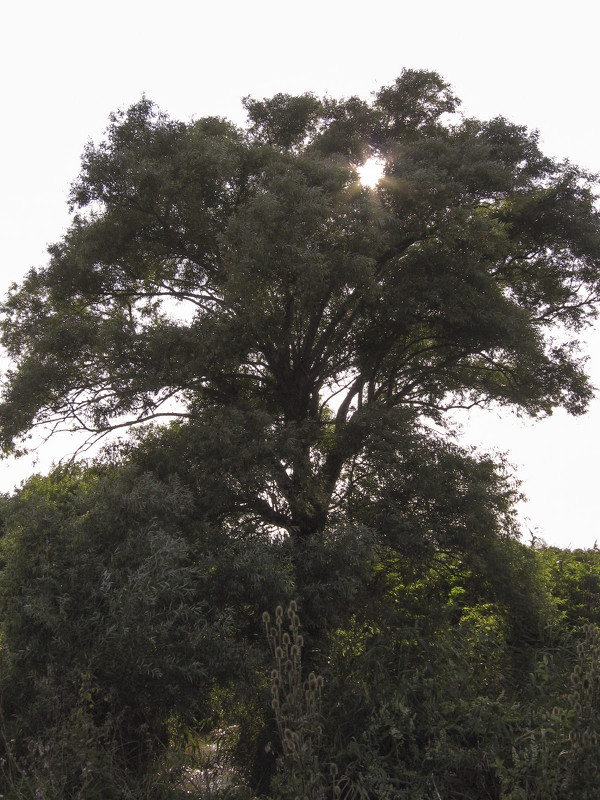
(305, 337)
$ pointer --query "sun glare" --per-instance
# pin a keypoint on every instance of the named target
(371, 172)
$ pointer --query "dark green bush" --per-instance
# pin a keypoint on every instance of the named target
(117, 619)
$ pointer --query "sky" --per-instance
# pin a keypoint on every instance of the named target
(66, 65)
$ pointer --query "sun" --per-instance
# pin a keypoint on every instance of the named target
(371, 172)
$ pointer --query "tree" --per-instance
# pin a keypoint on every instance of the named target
(303, 330)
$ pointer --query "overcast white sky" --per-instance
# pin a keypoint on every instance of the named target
(66, 65)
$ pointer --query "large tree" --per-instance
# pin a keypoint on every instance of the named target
(302, 327)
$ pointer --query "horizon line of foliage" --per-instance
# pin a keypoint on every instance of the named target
(131, 634)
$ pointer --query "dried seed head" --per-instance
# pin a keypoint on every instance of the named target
(274, 674)
(293, 605)
(266, 617)
(279, 611)
(320, 681)
(278, 653)
(333, 770)
(285, 638)
(300, 640)
(288, 666)
(295, 651)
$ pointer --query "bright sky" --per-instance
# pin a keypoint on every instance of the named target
(67, 64)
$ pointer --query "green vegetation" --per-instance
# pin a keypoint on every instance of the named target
(304, 338)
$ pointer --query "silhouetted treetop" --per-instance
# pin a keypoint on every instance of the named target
(215, 270)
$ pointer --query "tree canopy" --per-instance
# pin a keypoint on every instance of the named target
(300, 326)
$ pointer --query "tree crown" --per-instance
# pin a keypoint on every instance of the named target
(216, 271)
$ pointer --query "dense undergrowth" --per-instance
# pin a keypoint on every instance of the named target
(135, 663)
